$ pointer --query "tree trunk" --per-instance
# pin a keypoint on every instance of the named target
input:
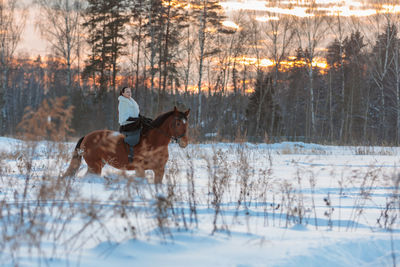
(166, 47)
(342, 94)
(312, 110)
(153, 53)
(331, 135)
(202, 44)
(139, 43)
(397, 74)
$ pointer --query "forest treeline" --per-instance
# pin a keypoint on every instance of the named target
(327, 78)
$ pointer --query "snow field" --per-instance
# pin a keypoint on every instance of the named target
(287, 204)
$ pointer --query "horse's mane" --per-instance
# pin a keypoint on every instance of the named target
(157, 122)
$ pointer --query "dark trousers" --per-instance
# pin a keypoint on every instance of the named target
(132, 136)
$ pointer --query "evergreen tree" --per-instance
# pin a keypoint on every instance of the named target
(335, 103)
(383, 55)
(166, 20)
(262, 109)
(356, 89)
(296, 99)
(105, 24)
(346, 77)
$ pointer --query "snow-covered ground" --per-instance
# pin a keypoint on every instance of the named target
(286, 204)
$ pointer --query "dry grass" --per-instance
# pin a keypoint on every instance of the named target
(368, 150)
(299, 149)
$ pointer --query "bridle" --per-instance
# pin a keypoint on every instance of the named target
(175, 137)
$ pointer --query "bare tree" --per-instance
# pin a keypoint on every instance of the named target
(280, 32)
(368, 34)
(137, 33)
(58, 21)
(337, 27)
(395, 68)
(239, 47)
(188, 45)
(383, 59)
(310, 32)
(208, 14)
(11, 27)
(380, 34)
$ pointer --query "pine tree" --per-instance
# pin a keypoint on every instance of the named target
(357, 88)
(262, 110)
(296, 99)
(105, 25)
(166, 20)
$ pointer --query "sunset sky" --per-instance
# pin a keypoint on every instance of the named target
(35, 45)
(299, 8)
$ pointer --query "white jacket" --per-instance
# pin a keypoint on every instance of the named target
(127, 107)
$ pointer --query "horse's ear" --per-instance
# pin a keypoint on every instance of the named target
(175, 109)
(187, 113)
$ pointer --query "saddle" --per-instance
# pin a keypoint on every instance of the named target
(134, 125)
(132, 132)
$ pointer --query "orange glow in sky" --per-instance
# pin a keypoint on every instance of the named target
(265, 62)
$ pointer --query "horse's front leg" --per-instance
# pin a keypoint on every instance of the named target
(158, 175)
(140, 172)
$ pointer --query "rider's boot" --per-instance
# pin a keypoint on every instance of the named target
(130, 154)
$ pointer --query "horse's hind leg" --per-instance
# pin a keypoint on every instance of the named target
(158, 175)
(95, 167)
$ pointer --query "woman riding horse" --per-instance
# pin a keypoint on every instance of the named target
(151, 153)
(128, 118)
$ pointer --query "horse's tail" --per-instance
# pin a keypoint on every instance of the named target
(75, 161)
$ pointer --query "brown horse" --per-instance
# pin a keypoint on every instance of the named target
(151, 153)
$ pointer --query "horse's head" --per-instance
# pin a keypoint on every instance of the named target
(178, 127)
